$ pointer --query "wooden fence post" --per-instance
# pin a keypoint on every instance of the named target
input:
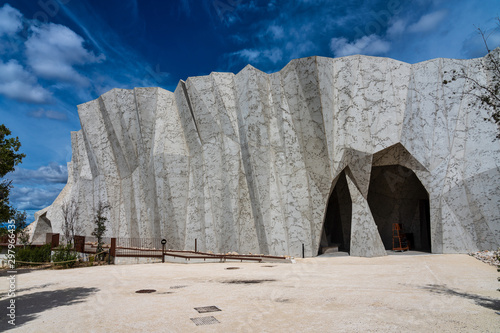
(112, 250)
(48, 238)
(52, 239)
(55, 240)
(79, 243)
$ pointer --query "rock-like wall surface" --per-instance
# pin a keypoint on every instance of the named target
(247, 162)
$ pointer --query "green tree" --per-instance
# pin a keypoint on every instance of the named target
(9, 158)
(100, 224)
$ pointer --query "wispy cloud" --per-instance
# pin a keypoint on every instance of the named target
(134, 6)
(276, 32)
(76, 19)
(396, 28)
(53, 50)
(49, 114)
(254, 56)
(272, 42)
(428, 22)
(185, 7)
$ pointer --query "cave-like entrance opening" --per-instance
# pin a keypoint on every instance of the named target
(336, 233)
(396, 195)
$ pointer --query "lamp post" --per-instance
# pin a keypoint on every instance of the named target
(163, 242)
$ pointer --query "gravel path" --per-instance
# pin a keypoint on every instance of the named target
(400, 293)
(488, 257)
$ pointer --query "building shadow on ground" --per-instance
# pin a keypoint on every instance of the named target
(487, 302)
(28, 307)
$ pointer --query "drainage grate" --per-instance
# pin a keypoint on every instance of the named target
(205, 309)
(232, 268)
(177, 287)
(205, 320)
(145, 291)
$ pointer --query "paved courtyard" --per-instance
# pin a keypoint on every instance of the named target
(397, 293)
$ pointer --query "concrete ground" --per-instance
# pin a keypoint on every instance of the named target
(398, 293)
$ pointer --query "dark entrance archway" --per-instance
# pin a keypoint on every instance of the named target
(396, 195)
(337, 224)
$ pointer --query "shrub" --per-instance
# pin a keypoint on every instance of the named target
(33, 254)
(100, 225)
(65, 256)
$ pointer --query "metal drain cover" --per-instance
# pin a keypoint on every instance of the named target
(232, 268)
(205, 309)
(210, 320)
(145, 291)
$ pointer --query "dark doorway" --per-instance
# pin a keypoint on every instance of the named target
(396, 195)
(337, 223)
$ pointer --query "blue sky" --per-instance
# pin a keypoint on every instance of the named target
(56, 54)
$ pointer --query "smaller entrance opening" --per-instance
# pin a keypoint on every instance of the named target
(337, 224)
(396, 195)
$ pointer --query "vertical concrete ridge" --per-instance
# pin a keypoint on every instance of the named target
(188, 101)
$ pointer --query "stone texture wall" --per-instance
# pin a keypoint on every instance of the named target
(247, 162)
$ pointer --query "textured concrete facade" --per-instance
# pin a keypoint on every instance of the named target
(247, 162)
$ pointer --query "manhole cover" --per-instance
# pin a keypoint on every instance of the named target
(269, 266)
(205, 309)
(177, 287)
(232, 268)
(145, 291)
(204, 320)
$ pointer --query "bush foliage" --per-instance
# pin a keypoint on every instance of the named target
(65, 256)
(33, 254)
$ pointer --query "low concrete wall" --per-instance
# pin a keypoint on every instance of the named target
(135, 260)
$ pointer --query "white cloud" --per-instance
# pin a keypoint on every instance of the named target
(34, 198)
(10, 20)
(19, 84)
(428, 22)
(258, 56)
(53, 50)
(367, 45)
(37, 189)
(396, 28)
(48, 174)
(50, 114)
